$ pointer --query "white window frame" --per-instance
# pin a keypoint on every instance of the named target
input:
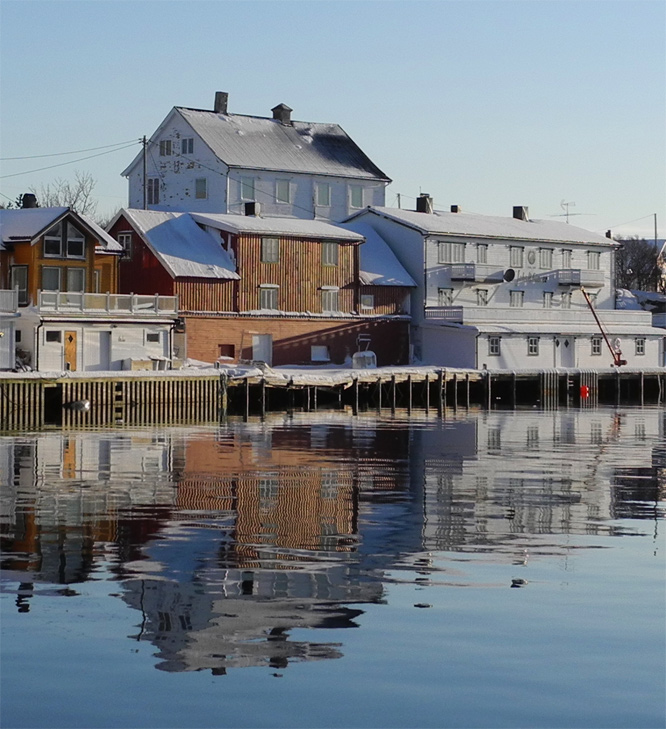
(125, 240)
(323, 195)
(567, 255)
(367, 301)
(201, 188)
(319, 353)
(482, 297)
(73, 286)
(444, 297)
(247, 189)
(356, 196)
(639, 343)
(51, 238)
(153, 337)
(330, 301)
(494, 346)
(595, 346)
(516, 256)
(59, 276)
(516, 298)
(187, 145)
(153, 191)
(451, 252)
(19, 279)
(270, 250)
(546, 258)
(532, 346)
(330, 253)
(593, 260)
(268, 297)
(482, 253)
(283, 192)
(166, 148)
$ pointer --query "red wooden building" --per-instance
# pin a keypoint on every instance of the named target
(278, 290)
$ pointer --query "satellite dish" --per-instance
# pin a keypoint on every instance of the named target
(509, 275)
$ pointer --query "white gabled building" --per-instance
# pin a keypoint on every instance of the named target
(211, 161)
(508, 293)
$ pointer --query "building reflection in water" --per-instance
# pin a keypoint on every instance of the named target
(225, 540)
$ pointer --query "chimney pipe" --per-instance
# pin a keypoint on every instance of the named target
(455, 208)
(424, 203)
(221, 99)
(28, 200)
(608, 234)
(520, 212)
(282, 113)
(253, 209)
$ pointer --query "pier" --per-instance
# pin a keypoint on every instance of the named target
(35, 400)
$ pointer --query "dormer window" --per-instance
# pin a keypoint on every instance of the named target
(64, 241)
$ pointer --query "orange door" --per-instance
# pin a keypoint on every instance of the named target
(70, 350)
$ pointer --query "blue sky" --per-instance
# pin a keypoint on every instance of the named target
(481, 104)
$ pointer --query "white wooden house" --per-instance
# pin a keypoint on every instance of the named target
(212, 161)
(510, 293)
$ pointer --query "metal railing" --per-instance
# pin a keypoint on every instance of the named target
(579, 277)
(72, 302)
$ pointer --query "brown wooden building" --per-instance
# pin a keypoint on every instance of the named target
(278, 290)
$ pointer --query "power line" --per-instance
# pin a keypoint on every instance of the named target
(71, 162)
(60, 154)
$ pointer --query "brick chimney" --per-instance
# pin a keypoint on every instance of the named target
(28, 200)
(221, 100)
(282, 113)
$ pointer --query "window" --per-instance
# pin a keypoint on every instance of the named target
(125, 240)
(545, 257)
(165, 148)
(640, 346)
(18, 336)
(566, 300)
(247, 188)
(201, 188)
(53, 242)
(75, 243)
(482, 253)
(282, 191)
(593, 260)
(329, 300)
(319, 353)
(451, 252)
(516, 256)
(226, 350)
(19, 279)
(532, 346)
(153, 191)
(566, 258)
(494, 346)
(516, 298)
(153, 337)
(355, 196)
(187, 145)
(329, 253)
(76, 279)
(268, 296)
(596, 346)
(367, 301)
(270, 250)
(53, 336)
(97, 280)
(547, 299)
(482, 297)
(323, 194)
(51, 278)
(445, 297)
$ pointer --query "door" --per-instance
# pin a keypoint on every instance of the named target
(70, 350)
(262, 348)
(564, 351)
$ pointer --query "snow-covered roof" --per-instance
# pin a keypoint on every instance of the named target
(292, 227)
(488, 226)
(27, 225)
(260, 143)
(185, 249)
(379, 265)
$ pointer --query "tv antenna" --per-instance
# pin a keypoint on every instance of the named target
(566, 214)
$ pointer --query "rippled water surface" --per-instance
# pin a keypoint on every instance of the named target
(501, 569)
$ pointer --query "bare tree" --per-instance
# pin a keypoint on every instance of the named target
(76, 194)
(636, 265)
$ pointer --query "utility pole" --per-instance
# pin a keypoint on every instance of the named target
(145, 184)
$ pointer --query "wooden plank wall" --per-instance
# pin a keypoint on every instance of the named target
(21, 405)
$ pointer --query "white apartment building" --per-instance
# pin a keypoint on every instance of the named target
(512, 293)
(211, 161)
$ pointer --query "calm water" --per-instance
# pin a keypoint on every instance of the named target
(327, 570)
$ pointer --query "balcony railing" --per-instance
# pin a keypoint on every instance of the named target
(82, 303)
(475, 272)
(579, 277)
(509, 316)
(451, 314)
(9, 301)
